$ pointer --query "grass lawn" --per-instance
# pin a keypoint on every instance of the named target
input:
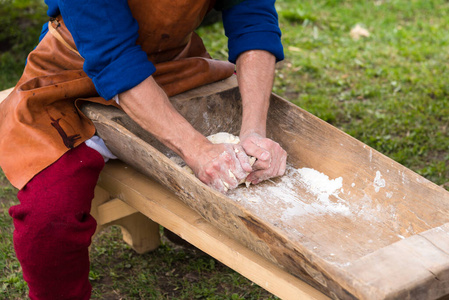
(388, 90)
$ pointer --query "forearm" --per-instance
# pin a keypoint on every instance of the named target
(149, 106)
(255, 74)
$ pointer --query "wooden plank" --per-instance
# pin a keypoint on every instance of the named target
(113, 210)
(4, 94)
(101, 196)
(424, 266)
(165, 208)
(439, 237)
(296, 221)
(139, 232)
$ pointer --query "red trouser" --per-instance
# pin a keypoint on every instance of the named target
(53, 226)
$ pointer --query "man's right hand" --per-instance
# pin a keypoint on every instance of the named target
(221, 166)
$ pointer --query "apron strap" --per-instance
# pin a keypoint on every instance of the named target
(58, 36)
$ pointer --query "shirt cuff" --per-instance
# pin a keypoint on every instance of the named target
(123, 74)
(268, 41)
(116, 99)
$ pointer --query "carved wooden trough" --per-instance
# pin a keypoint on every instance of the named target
(345, 219)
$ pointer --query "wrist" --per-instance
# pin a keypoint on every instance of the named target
(194, 149)
(245, 132)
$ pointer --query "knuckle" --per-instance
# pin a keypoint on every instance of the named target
(209, 172)
(215, 166)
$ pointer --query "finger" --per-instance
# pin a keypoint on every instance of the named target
(257, 176)
(234, 166)
(277, 165)
(262, 164)
(223, 180)
(219, 186)
(209, 176)
(276, 169)
(230, 170)
(243, 158)
(281, 161)
(283, 165)
(230, 184)
(253, 149)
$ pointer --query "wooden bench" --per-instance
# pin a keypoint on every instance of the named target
(138, 204)
(5, 93)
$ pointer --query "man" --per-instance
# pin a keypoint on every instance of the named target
(136, 53)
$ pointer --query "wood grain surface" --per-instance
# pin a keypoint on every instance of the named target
(5, 93)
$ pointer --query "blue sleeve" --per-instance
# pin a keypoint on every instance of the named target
(105, 34)
(253, 25)
(43, 31)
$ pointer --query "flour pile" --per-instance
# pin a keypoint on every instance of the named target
(298, 193)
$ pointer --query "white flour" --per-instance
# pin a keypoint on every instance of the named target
(298, 193)
(319, 184)
(379, 182)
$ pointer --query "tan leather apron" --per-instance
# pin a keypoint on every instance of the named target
(40, 120)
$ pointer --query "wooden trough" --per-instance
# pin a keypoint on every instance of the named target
(346, 219)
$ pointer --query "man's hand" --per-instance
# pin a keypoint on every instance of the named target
(255, 74)
(221, 166)
(271, 158)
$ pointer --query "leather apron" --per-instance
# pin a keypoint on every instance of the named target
(40, 120)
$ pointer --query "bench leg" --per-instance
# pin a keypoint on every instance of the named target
(138, 231)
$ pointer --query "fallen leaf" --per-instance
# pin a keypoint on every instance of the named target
(358, 31)
(294, 49)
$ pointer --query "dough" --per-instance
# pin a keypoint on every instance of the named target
(225, 137)
(221, 138)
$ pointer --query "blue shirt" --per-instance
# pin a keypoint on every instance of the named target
(118, 64)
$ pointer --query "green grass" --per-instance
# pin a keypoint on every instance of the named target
(20, 25)
(389, 90)
(170, 272)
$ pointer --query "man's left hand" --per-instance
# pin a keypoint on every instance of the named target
(271, 158)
